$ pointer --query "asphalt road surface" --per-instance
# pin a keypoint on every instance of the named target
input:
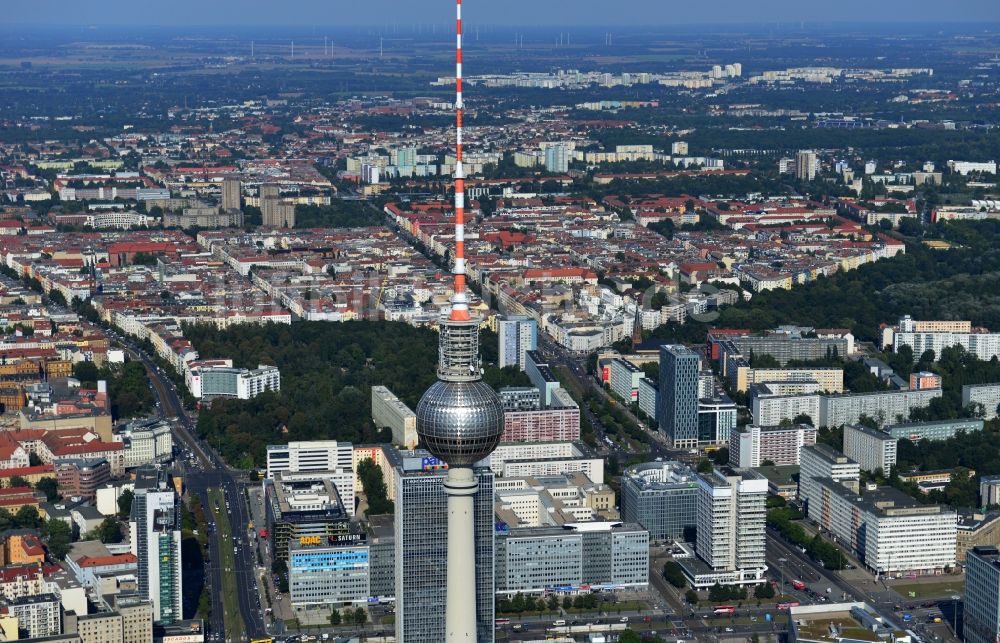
(212, 472)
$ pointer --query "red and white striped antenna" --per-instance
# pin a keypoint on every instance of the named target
(460, 301)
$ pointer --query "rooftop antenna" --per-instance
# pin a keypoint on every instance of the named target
(380, 46)
(251, 49)
(324, 46)
(460, 305)
(293, 50)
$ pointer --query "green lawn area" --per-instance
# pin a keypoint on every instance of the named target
(929, 590)
(230, 604)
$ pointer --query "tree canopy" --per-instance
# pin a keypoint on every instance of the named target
(327, 371)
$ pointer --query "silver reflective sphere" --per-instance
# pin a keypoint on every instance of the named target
(460, 422)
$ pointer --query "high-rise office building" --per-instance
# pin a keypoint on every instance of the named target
(731, 525)
(679, 395)
(806, 165)
(155, 526)
(327, 459)
(663, 498)
(231, 193)
(982, 595)
(421, 552)
(517, 335)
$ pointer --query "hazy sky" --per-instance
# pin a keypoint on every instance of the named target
(509, 12)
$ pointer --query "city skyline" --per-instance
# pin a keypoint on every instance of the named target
(641, 334)
(513, 13)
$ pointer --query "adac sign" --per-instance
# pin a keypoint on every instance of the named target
(309, 540)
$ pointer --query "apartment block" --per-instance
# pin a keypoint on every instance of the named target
(388, 411)
(625, 377)
(770, 410)
(884, 406)
(888, 531)
(553, 424)
(872, 449)
(649, 397)
(828, 379)
(922, 336)
(932, 430)
(823, 461)
(752, 445)
(730, 538)
(516, 334)
(986, 395)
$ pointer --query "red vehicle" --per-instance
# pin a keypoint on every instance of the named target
(785, 606)
(262, 533)
(797, 584)
(725, 609)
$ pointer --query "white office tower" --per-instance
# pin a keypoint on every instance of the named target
(155, 526)
(460, 417)
(732, 511)
(327, 459)
(982, 595)
(517, 334)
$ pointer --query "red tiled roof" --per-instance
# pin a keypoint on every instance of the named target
(104, 561)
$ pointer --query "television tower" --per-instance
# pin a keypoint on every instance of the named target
(460, 417)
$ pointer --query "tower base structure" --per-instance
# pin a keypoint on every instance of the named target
(460, 485)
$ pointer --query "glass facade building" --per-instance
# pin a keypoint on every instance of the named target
(663, 498)
(422, 552)
(334, 573)
(678, 408)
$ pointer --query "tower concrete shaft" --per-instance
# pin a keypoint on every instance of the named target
(460, 485)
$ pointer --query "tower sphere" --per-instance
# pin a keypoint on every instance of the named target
(460, 422)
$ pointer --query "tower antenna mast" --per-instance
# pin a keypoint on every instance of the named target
(460, 417)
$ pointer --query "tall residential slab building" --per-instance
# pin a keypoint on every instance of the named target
(421, 551)
(517, 335)
(231, 193)
(982, 595)
(731, 527)
(678, 408)
(155, 526)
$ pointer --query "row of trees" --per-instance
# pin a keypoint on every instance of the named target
(519, 603)
(784, 520)
(128, 386)
(375, 490)
(959, 283)
(339, 214)
(357, 616)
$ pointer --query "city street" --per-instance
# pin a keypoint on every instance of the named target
(215, 475)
